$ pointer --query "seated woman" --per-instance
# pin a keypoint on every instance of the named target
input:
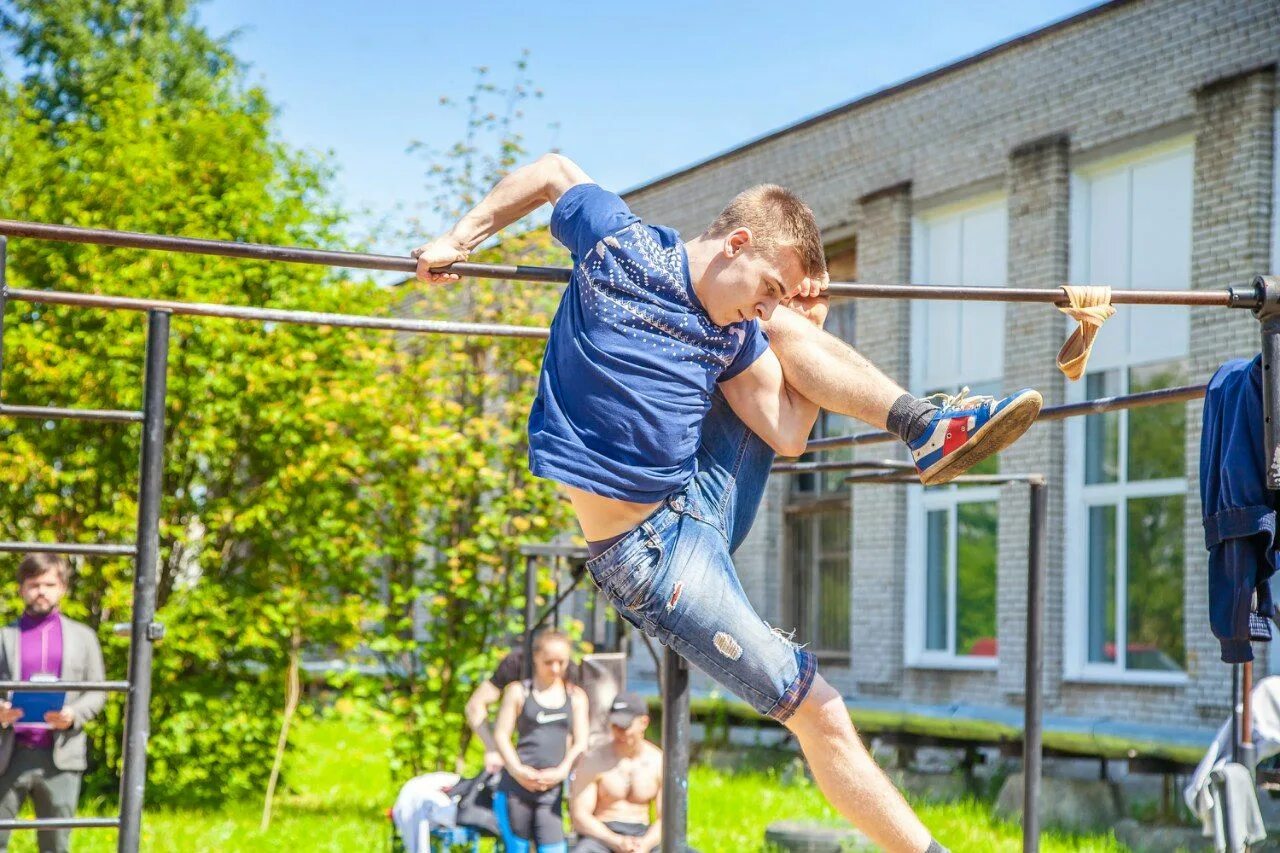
(550, 716)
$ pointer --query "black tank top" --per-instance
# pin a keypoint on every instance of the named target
(544, 732)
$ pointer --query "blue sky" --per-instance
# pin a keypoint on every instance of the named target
(631, 90)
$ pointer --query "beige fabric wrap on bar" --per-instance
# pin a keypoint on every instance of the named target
(1090, 307)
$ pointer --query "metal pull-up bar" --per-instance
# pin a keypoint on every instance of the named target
(1233, 298)
(1262, 296)
(1098, 406)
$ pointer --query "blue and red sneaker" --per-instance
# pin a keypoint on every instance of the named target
(967, 430)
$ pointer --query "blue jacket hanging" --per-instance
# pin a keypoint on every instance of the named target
(1239, 509)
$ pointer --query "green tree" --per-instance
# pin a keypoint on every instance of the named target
(318, 483)
(456, 494)
(264, 543)
(73, 48)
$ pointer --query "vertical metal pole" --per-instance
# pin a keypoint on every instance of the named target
(1235, 712)
(1248, 751)
(144, 630)
(675, 753)
(556, 564)
(1033, 719)
(1268, 313)
(599, 625)
(530, 611)
(4, 294)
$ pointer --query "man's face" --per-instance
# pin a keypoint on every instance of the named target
(629, 736)
(43, 592)
(743, 282)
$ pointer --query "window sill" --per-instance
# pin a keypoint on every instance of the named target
(960, 664)
(835, 659)
(1129, 679)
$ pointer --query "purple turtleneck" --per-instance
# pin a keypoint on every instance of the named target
(40, 651)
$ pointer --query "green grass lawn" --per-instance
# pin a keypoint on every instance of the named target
(340, 790)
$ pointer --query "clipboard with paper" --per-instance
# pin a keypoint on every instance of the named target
(35, 704)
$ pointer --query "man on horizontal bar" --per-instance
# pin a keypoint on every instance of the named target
(673, 373)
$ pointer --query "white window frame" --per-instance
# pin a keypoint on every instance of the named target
(921, 501)
(931, 500)
(1081, 497)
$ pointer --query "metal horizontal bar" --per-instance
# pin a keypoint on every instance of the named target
(1053, 296)
(1182, 393)
(62, 823)
(306, 318)
(396, 263)
(46, 686)
(801, 467)
(52, 413)
(86, 550)
(963, 479)
(262, 252)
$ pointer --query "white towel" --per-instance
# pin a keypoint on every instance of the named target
(1266, 740)
(423, 802)
(1241, 821)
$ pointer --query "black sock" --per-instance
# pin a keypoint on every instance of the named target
(935, 847)
(909, 417)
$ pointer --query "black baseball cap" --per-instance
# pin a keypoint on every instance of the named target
(625, 708)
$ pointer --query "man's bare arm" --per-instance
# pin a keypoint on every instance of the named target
(518, 194)
(477, 713)
(583, 799)
(653, 835)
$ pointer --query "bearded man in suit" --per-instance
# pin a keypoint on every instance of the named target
(45, 758)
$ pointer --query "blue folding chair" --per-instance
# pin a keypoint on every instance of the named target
(445, 839)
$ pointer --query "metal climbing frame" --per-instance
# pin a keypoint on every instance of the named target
(1262, 296)
(144, 630)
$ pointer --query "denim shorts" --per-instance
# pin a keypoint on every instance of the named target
(673, 577)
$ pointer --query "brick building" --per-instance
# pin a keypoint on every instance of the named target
(1134, 144)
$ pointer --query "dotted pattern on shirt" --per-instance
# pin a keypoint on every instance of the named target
(630, 280)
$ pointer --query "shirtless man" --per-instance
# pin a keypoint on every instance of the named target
(615, 783)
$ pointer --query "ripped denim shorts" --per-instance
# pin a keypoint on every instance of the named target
(673, 576)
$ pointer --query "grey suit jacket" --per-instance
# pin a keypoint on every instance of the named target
(81, 661)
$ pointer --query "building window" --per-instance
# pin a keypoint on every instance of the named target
(816, 581)
(951, 586)
(1126, 470)
(817, 596)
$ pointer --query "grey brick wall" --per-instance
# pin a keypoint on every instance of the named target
(1125, 72)
(882, 328)
(1134, 72)
(1230, 242)
(1037, 186)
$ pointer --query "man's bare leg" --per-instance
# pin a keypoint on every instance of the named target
(945, 440)
(829, 372)
(848, 776)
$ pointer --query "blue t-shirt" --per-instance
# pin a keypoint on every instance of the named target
(632, 360)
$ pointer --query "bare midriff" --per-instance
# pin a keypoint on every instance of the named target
(604, 518)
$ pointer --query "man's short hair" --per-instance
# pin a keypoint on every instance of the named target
(776, 217)
(34, 565)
